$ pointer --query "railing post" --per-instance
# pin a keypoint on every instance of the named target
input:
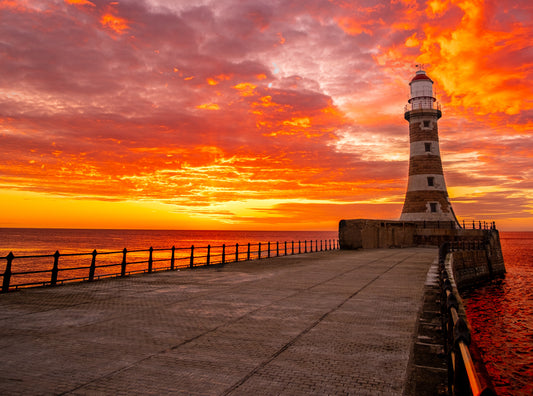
(123, 265)
(316, 245)
(277, 248)
(191, 259)
(248, 253)
(285, 248)
(7, 273)
(55, 268)
(92, 268)
(292, 247)
(259, 252)
(223, 253)
(208, 258)
(150, 259)
(321, 245)
(299, 247)
(236, 252)
(268, 255)
(173, 257)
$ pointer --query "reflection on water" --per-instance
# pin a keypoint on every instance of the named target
(26, 242)
(501, 315)
(47, 241)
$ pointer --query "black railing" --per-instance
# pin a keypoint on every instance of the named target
(451, 224)
(463, 377)
(426, 104)
(35, 269)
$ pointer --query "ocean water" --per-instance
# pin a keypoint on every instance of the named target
(501, 316)
(31, 241)
(78, 244)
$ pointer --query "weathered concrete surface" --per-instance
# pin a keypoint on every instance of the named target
(337, 322)
(371, 234)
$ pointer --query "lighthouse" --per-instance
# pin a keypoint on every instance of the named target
(426, 199)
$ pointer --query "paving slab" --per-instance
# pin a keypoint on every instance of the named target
(335, 322)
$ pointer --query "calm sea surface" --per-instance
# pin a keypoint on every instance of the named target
(26, 241)
(501, 316)
(500, 313)
(72, 243)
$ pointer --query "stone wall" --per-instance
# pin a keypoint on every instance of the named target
(469, 267)
(425, 164)
(494, 254)
(474, 266)
(475, 253)
(371, 234)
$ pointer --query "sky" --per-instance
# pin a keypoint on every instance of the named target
(252, 114)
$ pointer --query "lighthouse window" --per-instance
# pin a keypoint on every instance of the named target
(427, 146)
(426, 124)
(433, 207)
(431, 181)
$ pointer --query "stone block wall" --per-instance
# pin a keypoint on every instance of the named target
(469, 267)
(371, 234)
(416, 201)
(476, 253)
(425, 164)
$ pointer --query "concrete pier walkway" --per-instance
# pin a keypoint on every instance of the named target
(337, 322)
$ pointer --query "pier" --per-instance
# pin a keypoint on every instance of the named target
(335, 322)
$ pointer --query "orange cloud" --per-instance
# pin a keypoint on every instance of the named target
(80, 2)
(115, 23)
(209, 106)
(19, 5)
(471, 60)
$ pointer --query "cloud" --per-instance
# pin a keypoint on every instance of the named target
(206, 105)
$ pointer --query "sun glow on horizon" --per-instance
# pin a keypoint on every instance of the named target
(158, 116)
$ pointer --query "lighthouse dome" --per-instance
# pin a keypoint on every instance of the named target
(420, 76)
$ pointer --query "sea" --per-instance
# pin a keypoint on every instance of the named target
(75, 247)
(500, 313)
(501, 317)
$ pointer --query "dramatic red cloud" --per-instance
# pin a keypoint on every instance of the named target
(257, 114)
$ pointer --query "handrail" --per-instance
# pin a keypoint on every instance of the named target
(452, 224)
(189, 257)
(463, 376)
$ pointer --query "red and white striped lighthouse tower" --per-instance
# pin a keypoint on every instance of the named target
(426, 199)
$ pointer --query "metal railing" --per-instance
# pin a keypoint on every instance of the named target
(451, 224)
(463, 377)
(45, 270)
(429, 105)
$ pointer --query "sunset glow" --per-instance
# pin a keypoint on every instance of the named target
(257, 114)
